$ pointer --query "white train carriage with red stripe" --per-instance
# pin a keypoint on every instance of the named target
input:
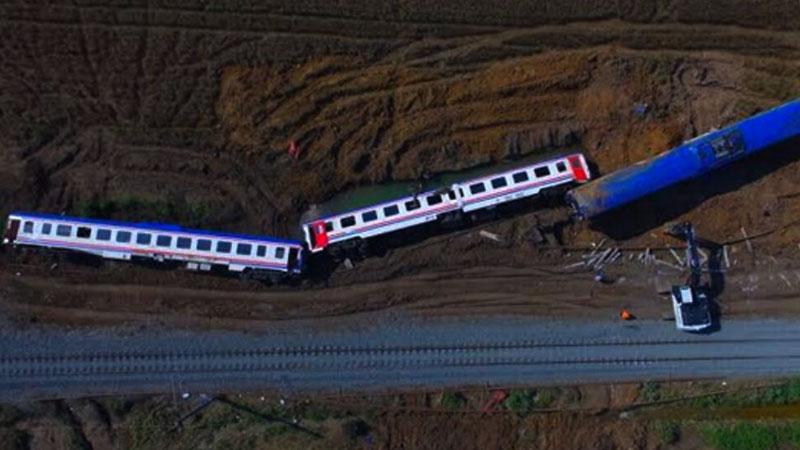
(261, 257)
(339, 226)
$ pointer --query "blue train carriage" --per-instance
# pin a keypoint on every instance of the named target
(689, 160)
(346, 222)
(257, 256)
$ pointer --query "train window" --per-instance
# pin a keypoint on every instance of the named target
(520, 177)
(223, 247)
(244, 249)
(434, 199)
(730, 144)
(204, 244)
(27, 227)
(412, 205)
(279, 252)
(103, 234)
(499, 182)
(348, 221)
(163, 241)
(84, 232)
(452, 194)
(64, 230)
(328, 226)
(123, 236)
(477, 188)
(369, 216)
(46, 228)
(143, 238)
(391, 210)
(541, 171)
(261, 251)
(183, 242)
(561, 167)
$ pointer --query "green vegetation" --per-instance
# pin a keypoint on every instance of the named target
(318, 413)
(137, 209)
(651, 392)
(452, 401)
(150, 429)
(524, 401)
(545, 398)
(751, 435)
(520, 401)
(783, 394)
(668, 431)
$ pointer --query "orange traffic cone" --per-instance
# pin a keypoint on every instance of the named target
(625, 315)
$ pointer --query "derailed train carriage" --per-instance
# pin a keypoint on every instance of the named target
(691, 159)
(347, 222)
(344, 224)
(257, 256)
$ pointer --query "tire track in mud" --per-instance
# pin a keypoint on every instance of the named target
(303, 25)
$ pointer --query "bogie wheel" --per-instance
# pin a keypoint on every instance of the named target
(363, 249)
(336, 253)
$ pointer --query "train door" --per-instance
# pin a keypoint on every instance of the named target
(293, 263)
(318, 235)
(11, 231)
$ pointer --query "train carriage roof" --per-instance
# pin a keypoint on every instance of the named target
(365, 196)
(165, 227)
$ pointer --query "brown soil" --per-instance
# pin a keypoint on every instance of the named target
(147, 111)
(618, 416)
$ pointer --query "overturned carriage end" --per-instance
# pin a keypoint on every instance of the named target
(691, 159)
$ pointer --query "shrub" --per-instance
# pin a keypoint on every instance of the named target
(545, 398)
(669, 432)
(520, 401)
(650, 392)
(452, 400)
(741, 436)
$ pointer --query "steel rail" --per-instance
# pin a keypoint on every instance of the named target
(361, 357)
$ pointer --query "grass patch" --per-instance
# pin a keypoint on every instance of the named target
(150, 428)
(545, 398)
(521, 401)
(452, 401)
(783, 394)
(650, 392)
(318, 413)
(751, 435)
(668, 431)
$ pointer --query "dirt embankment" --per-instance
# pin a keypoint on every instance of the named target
(150, 111)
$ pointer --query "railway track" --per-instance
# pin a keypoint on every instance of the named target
(46, 371)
